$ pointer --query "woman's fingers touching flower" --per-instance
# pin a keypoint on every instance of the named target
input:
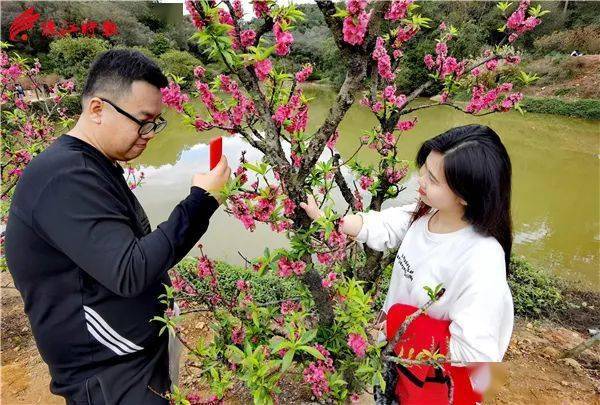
(311, 208)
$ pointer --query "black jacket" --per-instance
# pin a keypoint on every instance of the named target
(81, 253)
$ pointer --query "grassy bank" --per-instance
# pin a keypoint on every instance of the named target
(584, 108)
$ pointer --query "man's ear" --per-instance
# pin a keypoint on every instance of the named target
(94, 108)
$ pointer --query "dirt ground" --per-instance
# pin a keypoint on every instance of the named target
(532, 374)
(585, 82)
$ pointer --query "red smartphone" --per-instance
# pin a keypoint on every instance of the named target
(216, 150)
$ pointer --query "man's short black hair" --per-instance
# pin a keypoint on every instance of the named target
(113, 71)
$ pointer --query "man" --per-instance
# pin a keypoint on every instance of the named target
(80, 249)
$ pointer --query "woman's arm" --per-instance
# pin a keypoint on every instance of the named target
(380, 230)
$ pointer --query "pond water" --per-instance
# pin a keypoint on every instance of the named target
(556, 180)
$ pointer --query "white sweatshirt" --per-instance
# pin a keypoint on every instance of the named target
(470, 267)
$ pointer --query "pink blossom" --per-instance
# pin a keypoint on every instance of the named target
(315, 376)
(261, 8)
(518, 23)
(20, 104)
(199, 71)
(328, 281)
(263, 68)
(405, 34)
(388, 141)
(366, 182)
(282, 114)
(238, 334)
(397, 10)
(196, 19)
(406, 125)
(510, 101)
(355, 27)
(476, 72)
(444, 97)
(325, 258)
(358, 344)
(237, 9)
(287, 267)
(288, 207)
(289, 306)
(201, 125)
(173, 97)
(283, 40)
(389, 92)
(356, 6)
(397, 53)
(242, 285)
(67, 85)
(181, 284)
(513, 59)
(441, 49)
(304, 74)
(205, 267)
(225, 17)
(299, 121)
(247, 38)
(429, 62)
(377, 107)
(491, 64)
(264, 209)
(400, 100)
(394, 176)
(442, 26)
(384, 66)
(4, 59)
(296, 159)
(449, 66)
(333, 139)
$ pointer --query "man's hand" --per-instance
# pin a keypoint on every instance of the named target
(215, 180)
(311, 208)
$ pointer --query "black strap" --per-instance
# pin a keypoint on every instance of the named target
(439, 377)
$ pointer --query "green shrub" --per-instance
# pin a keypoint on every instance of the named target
(535, 293)
(147, 52)
(179, 63)
(265, 288)
(584, 108)
(160, 44)
(71, 57)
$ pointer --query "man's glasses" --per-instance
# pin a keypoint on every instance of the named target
(145, 126)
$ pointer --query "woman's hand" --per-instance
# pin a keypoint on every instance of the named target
(311, 208)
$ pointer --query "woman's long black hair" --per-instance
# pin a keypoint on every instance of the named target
(478, 170)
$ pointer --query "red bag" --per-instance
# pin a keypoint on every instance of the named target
(427, 384)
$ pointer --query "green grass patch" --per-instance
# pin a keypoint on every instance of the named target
(583, 108)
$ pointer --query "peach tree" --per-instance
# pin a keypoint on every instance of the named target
(321, 336)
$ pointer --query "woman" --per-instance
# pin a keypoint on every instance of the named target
(459, 235)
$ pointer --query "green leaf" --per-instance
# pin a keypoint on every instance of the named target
(503, 5)
(312, 351)
(287, 360)
(341, 13)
